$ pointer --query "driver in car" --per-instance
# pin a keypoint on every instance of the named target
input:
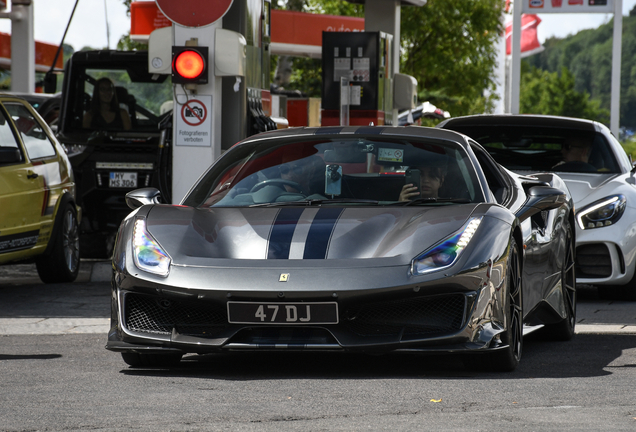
(308, 173)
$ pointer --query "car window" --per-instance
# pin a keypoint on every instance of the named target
(356, 171)
(35, 139)
(544, 149)
(496, 182)
(7, 139)
(114, 100)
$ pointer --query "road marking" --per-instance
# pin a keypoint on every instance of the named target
(605, 329)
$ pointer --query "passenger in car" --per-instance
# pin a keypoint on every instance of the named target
(431, 179)
(105, 112)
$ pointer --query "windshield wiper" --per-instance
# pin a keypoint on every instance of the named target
(342, 201)
(428, 200)
(313, 202)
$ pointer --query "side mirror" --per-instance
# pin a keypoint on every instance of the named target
(141, 197)
(542, 198)
(9, 155)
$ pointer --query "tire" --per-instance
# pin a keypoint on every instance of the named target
(506, 359)
(61, 264)
(151, 360)
(564, 330)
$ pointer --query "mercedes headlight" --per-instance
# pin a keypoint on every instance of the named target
(149, 256)
(445, 253)
(602, 213)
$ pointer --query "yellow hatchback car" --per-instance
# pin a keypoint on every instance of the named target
(38, 214)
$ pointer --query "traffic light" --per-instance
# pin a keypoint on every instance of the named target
(189, 65)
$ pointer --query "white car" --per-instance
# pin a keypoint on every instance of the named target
(603, 188)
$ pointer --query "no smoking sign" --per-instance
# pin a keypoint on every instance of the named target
(193, 125)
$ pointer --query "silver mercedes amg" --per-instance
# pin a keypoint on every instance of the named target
(371, 239)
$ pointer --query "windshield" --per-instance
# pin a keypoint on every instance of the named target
(339, 171)
(546, 149)
(108, 99)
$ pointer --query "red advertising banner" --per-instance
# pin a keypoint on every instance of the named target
(529, 41)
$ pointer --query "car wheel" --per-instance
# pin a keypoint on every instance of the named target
(151, 360)
(62, 263)
(564, 330)
(506, 359)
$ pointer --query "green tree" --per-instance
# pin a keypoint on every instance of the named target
(450, 48)
(588, 56)
(552, 93)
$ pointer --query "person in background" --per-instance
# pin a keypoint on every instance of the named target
(105, 112)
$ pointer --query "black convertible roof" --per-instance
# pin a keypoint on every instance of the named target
(402, 132)
(523, 120)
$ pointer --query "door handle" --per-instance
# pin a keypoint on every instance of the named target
(32, 175)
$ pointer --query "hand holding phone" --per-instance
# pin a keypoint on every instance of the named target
(412, 176)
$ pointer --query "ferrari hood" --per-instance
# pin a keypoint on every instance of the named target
(195, 236)
(583, 185)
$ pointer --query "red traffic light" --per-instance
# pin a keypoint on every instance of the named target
(189, 65)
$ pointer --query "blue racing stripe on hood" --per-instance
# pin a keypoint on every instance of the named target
(282, 232)
(320, 233)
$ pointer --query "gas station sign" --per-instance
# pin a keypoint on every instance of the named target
(568, 6)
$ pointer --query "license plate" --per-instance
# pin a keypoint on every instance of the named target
(120, 179)
(282, 313)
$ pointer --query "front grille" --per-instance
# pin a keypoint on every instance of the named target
(411, 318)
(119, 149)
(159, 315)
(593, 261)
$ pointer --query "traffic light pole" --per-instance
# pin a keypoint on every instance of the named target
(196, 116)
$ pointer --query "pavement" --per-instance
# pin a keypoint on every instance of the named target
(27, 306)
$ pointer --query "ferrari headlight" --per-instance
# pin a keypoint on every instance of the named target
(445, 253)
(149, 256)
(602, 213)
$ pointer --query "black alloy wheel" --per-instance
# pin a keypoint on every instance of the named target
(564, 330)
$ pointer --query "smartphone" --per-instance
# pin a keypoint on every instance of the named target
(333, 179)
(412, 176)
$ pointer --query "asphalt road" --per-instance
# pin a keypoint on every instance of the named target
(55, 375)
